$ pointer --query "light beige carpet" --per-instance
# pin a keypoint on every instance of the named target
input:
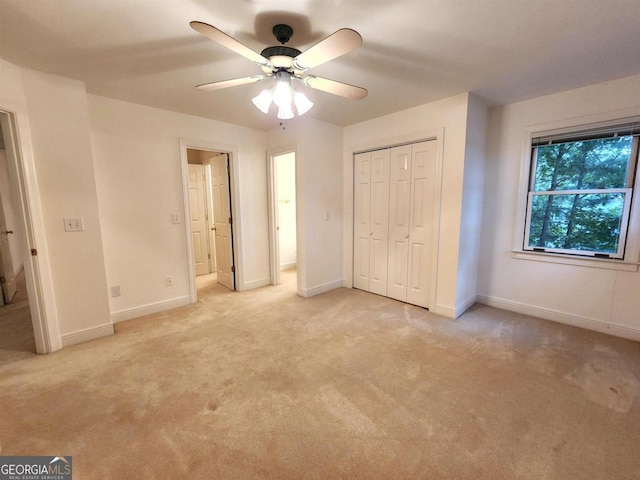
(16, 330)
(265, 384)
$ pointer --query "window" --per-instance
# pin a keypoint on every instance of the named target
(580, 192)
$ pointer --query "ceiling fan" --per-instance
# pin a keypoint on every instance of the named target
(284, 63)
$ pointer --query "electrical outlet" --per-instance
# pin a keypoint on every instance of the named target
(73, 224)
(115, 291)
(169, 281)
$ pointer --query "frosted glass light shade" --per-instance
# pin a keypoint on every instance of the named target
(284, 96)
(303, 104)
(282, 93)
(285, 112)
(263, 101)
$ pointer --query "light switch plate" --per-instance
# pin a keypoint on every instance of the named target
(73, 224)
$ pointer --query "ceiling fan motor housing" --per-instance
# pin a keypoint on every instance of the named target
(283, 34)
(280, 50)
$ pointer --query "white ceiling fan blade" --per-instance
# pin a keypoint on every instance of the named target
(231, 83)
(337, 88)
(335, 45)
(231, 43)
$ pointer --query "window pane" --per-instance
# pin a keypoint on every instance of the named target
(587, 222)
(583, 165)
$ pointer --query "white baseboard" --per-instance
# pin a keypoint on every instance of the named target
(562, 317)
(443, 310)
(86, 334)
(150, 308)
(318, 289)
(261, 282)
(466, 305)
(287, 266)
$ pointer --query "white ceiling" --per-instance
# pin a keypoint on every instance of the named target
(414, 51)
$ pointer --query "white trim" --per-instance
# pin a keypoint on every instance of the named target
(287, 266)
(466, 305)
(561, 317)
(150, 308)
(234, 187)
(261, 282)
(444, 311)
(39, 282)
(318, 289)
(87, 334)
(454, 312)
(609, 264)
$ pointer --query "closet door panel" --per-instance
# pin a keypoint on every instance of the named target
(399, 221)
(362, 221)
(379, 226)
(422, 228)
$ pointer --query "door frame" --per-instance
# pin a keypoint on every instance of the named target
(232, 151)
(272, 201)
(38, 278)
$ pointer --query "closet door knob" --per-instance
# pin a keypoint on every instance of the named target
(8, 232)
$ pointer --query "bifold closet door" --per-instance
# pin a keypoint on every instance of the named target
(422, 225)
(399, 228)
(371, 221)
(411, 206)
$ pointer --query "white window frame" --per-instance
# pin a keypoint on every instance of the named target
(631, 245)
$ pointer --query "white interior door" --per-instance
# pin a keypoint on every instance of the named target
(274, 236)
(7, 277)
(379, 221)
(394, 221)
(210, 218)
(223, 221)
(371, 221)
(361, 220)
(422, 223)
(2, 294)
(198, 210)
(399, 208)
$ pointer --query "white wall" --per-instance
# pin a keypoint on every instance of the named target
(596, 298)
(139, 178)
(59, 127)
(319, 195)
(42, 302)
(471, 214)
(447, 119)
(285, 166)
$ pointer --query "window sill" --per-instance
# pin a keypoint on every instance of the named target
(608, 264)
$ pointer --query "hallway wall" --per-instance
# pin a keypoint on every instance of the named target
(138, 172)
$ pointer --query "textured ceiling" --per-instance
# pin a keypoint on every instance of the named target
(414, 51)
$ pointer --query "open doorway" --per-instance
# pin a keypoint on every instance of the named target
(16, 329)
(210, 218)
(25, 259)
(282, 214)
